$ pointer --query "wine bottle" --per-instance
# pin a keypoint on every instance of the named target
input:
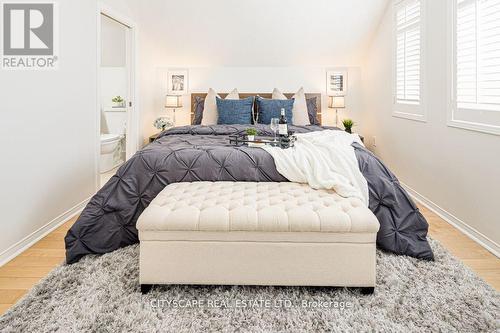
(283, 127)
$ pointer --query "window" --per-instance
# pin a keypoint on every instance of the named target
(476, 65)
(408, 60)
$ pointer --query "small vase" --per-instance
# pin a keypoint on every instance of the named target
(348, 130)
(251, 137)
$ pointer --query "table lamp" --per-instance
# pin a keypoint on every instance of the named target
(336, 102)
(173, 102)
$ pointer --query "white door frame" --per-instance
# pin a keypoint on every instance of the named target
(132, 139)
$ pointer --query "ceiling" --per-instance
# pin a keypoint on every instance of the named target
(257, 32)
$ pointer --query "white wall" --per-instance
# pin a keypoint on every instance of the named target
(48, 131)
(113, 83)
(265, 36)
(113, 43)
(113, 71)
(458, 170)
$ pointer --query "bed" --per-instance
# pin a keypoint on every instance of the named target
(203, 153)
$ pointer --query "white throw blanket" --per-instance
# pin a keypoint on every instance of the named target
(324, 160)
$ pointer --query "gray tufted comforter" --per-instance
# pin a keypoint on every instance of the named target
(203, 153)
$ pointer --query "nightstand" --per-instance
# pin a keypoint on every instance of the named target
(153, 137)
(361, 137)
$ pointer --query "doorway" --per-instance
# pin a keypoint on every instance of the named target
(117, 119)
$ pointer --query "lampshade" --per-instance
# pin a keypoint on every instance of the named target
(336, 102)
(173, 101)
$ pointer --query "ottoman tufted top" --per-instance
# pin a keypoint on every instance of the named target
(255, 206)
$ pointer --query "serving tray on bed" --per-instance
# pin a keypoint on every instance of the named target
(282, 142)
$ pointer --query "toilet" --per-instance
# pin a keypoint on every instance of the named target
(113, 142)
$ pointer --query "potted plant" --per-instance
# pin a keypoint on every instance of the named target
(251, 133)
(348, 125)
(162, 123)
(118, 102)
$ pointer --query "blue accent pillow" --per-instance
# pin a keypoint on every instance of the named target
(271, 108)
(235, 111)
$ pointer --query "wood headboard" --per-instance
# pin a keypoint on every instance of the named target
(264, 95)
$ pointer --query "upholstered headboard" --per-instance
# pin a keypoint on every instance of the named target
(265, 95)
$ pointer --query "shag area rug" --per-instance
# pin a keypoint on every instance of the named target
(101, 294)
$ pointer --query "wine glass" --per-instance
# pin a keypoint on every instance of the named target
(274, 126)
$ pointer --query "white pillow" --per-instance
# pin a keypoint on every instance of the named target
(233, 94)
(300, 116)
(278, 95)
(210, 114)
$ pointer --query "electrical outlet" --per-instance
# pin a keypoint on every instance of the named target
(374, 141)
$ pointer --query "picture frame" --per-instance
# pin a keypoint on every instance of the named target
(336, 82)
(177, 81)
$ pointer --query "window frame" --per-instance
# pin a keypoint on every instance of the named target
(451, 121)
(417, 112)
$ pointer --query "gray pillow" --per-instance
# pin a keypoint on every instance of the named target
(312, 110)
(199, 105)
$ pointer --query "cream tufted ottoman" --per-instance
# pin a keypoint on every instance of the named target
(245, 233)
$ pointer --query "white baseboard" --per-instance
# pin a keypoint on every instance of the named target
(472, 233)
(34, 237)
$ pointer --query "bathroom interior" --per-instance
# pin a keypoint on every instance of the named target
(114, 86)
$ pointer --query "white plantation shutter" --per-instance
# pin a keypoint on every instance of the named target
(476, 57)
(478, 54)
(408, 52)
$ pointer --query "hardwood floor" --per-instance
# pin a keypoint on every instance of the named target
(20, 274)
(480, 260)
